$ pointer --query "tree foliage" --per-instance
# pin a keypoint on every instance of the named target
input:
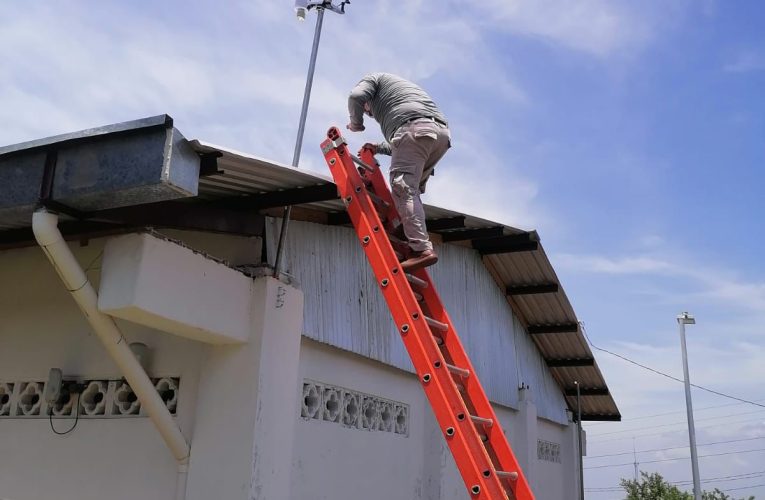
(654, 487)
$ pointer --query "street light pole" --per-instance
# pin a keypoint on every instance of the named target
(682, 320)
(301, 8)
(579, 439)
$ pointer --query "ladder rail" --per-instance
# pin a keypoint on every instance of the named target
(474, 459)
(497, 441)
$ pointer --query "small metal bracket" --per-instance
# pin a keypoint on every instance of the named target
(333, 145)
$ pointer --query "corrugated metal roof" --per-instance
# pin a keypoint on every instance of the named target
(240, 174)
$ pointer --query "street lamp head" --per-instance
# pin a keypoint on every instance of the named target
(686, 319)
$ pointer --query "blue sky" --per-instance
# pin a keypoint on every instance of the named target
(631, 135)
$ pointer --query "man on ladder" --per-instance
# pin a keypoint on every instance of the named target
(416, 137)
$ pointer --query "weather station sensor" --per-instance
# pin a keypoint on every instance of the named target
(303, 6)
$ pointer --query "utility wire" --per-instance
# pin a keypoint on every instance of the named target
(644, 417)
(757, 419)
(677, 447)
(665, 374)
(675, 459)
(744, 487)
(684, 422)
(735, 477)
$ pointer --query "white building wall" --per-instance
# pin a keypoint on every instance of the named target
(125, 459)
(40, 328)
(333, 461)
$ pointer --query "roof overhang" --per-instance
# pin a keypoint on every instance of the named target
(236, 190)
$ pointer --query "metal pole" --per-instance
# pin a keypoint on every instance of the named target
(301, 131)
(579, 440)
(682, 320)
(634, 456)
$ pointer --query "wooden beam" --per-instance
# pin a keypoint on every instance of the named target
(71, 230)
(532, 289)
(560, 328)
(470, 234)
(338, 218)
(587, 391)
(433, 225)
(564, 363)
(523, 242)
(283, 198)
(445, 223)
(193, 216)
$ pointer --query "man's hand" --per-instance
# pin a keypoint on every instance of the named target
(355, 128)
(370, 146)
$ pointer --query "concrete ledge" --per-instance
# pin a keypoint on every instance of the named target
(168, 287)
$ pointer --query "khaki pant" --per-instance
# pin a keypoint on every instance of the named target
(416, 148)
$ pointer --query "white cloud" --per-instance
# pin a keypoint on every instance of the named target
(598, 27)
(608, 265)
(703, 282)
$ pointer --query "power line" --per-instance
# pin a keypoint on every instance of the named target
(744, 487)
(644, 417)
(674, 430)
(737, 477)
(678, 458)
(684, 422)
(734, 477)
(665, 374)
(677, 447)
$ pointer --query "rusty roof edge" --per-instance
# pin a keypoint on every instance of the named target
(206, 147)
(589, 351)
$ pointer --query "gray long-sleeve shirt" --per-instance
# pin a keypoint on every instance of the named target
(394, 101)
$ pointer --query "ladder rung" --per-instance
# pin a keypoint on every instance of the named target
(416, 281)
(439, 340)
(510, 476)
(486, 422)
(361, 164)
(418, 296)
(458, 371)
(436, 324)
(379, 201)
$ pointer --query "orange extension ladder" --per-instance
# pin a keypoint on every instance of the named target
(471, 429)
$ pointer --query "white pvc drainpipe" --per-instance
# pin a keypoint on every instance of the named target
(48, 236)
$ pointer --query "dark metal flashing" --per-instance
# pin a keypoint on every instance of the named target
(159, 121)
(596, 417)
(474, 233)
(587, 391)
(532, 289)
(208, 163)
(569, 362)
(562, 328)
